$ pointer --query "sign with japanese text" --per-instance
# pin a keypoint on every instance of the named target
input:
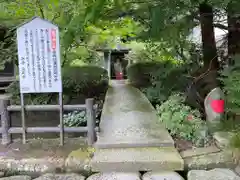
(39, 57)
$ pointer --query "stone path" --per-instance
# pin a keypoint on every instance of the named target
(131, 137)
(129, 120)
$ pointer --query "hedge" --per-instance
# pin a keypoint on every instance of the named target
(158, 79)
(139, 74)
(78, 83)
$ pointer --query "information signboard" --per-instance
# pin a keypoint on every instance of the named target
(39, 64)
(39, 57)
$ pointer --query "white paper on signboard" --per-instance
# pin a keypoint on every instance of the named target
(39, 57)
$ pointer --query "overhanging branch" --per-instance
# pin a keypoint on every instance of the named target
(220, 26)
(216, 25)
(40, 8)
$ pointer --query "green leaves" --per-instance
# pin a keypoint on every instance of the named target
(93, 11)
(78, 83)
(75, 119)
(181, 120)
(155, 78)
(230, 77)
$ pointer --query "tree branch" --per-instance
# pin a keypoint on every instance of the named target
(220, 26)
(179, 51)
(216, 25)
(57, 15)
(142, 20)
(40, 8)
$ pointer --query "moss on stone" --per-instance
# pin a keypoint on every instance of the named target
(82, 153)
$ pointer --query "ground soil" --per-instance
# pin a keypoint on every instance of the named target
(40, 148)
(183, 145)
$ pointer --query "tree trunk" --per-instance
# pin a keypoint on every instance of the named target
(3, 32)
(206, 80)
(233, 31)
(210, 57)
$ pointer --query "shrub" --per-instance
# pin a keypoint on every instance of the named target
(230, 77)
(75, 119)
(91, 81)
(182, 121)
(79, 118)
(157, 80)
(139, 73)
(78, 82)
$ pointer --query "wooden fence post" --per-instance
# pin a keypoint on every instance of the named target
(5, 119)
(90, 121)
(94, 123)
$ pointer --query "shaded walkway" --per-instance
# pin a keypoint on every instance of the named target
(131, 138)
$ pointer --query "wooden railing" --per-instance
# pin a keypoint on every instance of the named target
(6, 130)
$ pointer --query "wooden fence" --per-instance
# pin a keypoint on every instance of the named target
(6, 130)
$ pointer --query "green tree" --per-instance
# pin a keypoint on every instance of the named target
(79, 36)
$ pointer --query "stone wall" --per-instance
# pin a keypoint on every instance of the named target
(218, 174)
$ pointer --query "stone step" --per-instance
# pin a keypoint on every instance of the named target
(136, 159)
(118, 82)
(134, 142)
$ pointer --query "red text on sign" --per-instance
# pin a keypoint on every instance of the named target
(53, 38)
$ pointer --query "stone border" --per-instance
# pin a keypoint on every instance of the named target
(208, 158)
(32, 165)
(222, 139)
(217, 173)
(199, 151)
(75, 162)
(199, 158)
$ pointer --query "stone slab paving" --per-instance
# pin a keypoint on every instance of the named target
(215, 174)
(199, 151)
(222, 139)
(129, 120)
(115, 176)
(71, 176)
(223, 159)
(165, 175)
(118, 82)
(20, 177)
(136, 159)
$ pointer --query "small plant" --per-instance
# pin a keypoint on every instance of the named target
(182, 121)
(75, 119)
(79, 118)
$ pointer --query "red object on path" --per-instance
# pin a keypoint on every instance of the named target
(119, 76)
(217, 105)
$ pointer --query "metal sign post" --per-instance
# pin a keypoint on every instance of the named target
(23, 118)
(39, 63)
(61, 119)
